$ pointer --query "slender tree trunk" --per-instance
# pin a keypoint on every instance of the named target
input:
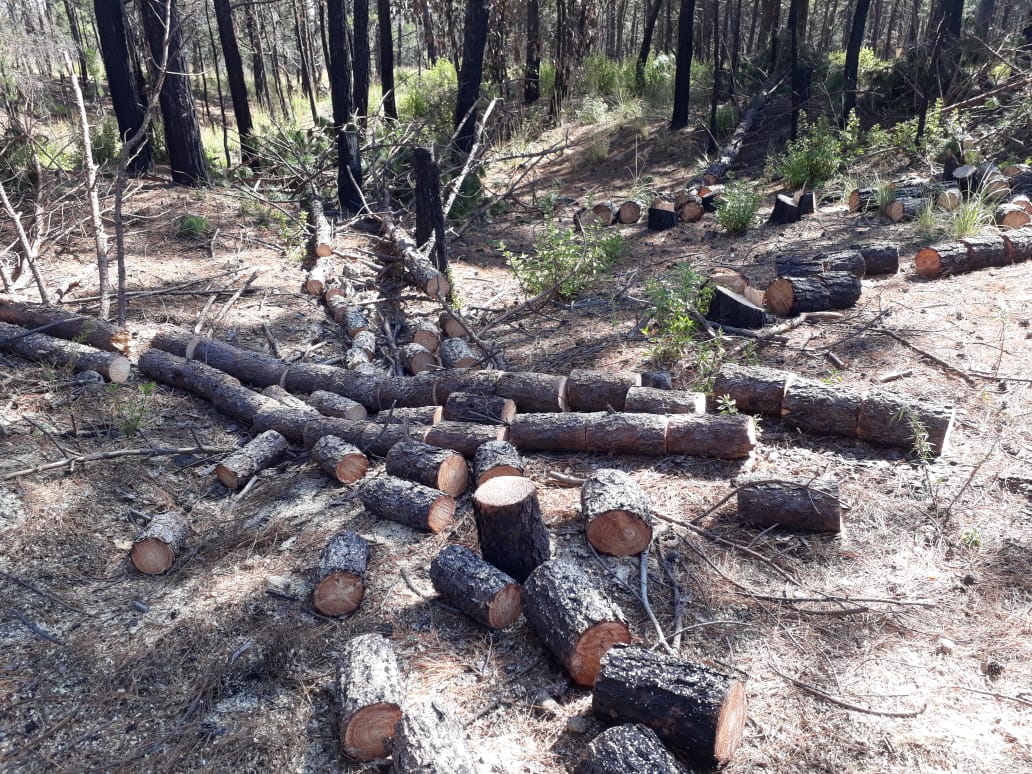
(324, 37)
(651, 14)
(875, 26)
(383, 13)
(756, 14)
(428, 34)
(237, 83)
(715, 97)
(531, 77)
(278, 73)
(474, 40)
(218, 85)
(362, 58)
(683, 74)
(261, 82)
(793, 33)
(890, 30)
(561, 60)
(199, 67)
(349, 170)
(304, 48)
(80, 47)
(849, 75)
(735, 48)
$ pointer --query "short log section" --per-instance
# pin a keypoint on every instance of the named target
(821, 408)
(617, 513)
(588, 390)
(649, 400)
(549, 432)
(154, 551)
(408, 503)
(725, 436)
(437, 468)
(464, 437)
(84, 329)
(457, 353)
(880, 258)
(431, 741)
(532, 391)
(496, 458)
(662, 215)
(41, 348)
(512, 534)
(343, 461)
(340, 579)
(417, 358)
(810, 505)
(370, 694)
(787, 296)
(476, 587)
(482, 409)
(625, 749)
(622, 433)
(896, 420)
(257, 454)
(333, 405)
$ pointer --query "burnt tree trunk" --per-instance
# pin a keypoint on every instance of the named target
(386, 60)
(474, 40)
(429, 210)
(431, 466)
(349, 167)
(512, 534)
(360, 93)
(237, 83)
(787, 296)
(628, 748)
(531, 76)
(682, 75)
(482, 409)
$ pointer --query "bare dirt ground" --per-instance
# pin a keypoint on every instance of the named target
(906, 648)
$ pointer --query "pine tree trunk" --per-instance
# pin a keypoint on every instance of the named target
(531, 75)
(361, 64)
(237, 85)
(383, 17)
(349, 169)
(473, 44)
(682, 76)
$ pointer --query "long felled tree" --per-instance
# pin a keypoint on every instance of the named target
(349, 166)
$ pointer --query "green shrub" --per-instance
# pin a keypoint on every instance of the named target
(737, 208)
(678, 301)
(600, 76)
(193, 226)
(812, 158)
(593, 110)
(105, 141)
(429, 98)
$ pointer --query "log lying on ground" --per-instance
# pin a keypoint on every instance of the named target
(896, 420)
(464, 380)
(661, 215)
(477, 588)
(252, 367)
(573, 617)
(451, 327)
(1011, 215)
(690, 210)
(1019, 244)
(850, 261)
(789, 296)
(422, 273)
(154, 551)
(496, 458)
(724, 436)
(483, 409)
(549, 432)
(789, 502)
(408, 503)
(91, 331)
(456, 353)
(727, 307)
(333, 405)
(690, 707)
(280, 395)
(622, 433)
(821, 408)
(370, 693)
(427, 334)
(415, 415)
(649, 400)
(364, 341)
(417, 358)
(340, 459)
(903, 209)
(431, 741)
(511, 531)
(589, 390)
(336, 306)
(625, 749)
(464, 437)
(41, 348)
(949, 199)
(428, 465)
(630, 211)
(863, 200)
(319, 277)
(966, 255)
(880, 258)
(285, 420)
(320, 235)
(257, 454)
(753, 389)
(406, 392)
(370, 437)
(532, 391)
(340, 578)
(617, 513)
(716, 171)
(600, 215)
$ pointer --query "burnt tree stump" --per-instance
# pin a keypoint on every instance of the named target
(370, 694)
(662, 215)
(512, 534)
(727, 307)
(340, 578)
(408, 503)
(476, 587)
(617, 513)
(431, 466)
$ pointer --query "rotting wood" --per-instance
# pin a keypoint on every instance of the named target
(512, 534)
(617, 513)
(82, 329)
(789, 502)
(408, 503)
(477, 588)
(649, 400)
(370, 694)
(482, 409)
(789, 296)
(41, 348)
(431, 466)
(456, 353)
(431, 741)
(154, 551)
(333, 405)
(496, 458)
(464, 437)
(592, 390)
(340, 577)
(340, 459)
(632, 747)
(257, 454)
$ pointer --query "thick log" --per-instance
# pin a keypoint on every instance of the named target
(622, 433)
(863, 200)
(904, 209)
(320, 235)
(897, 420)
(661, 215)
(821, 408)
(725, 436)
(456, 353)
(154, 551)
(970, 254)
(414, 415)
(914, 189)
(251, 367)
(550, 432)
(82, 329)
(311, 377)
(512, 534)
(727, 307)
(370, 692)
(649, 400)
(792, 503)
(463, 380)
(340, 578)
(1012, 215)
(408, 503)
(1019, 244)
(573, 617)
(41, 348)
(374, 438)
(789, 296)
(356, 358)
(690, 707)
(340, 459)
(496, 458)
(422, 273)
(531, 391)
(280, 395)
(426, 333)
(288, 422)
(949, 199)
(588, 390)
(407, 392)
(630, 211)
(257, 454)
(477, 588)
(464, 437)
(691, 211)
(753, 389)
(417, 358)
(851, 261)
(431, 741)
(451, 327)
(993, 185)
(429, 465)
(628, 748)
(617, 513)
(880, 258)
(785, 211)
(319, 277)
(483, 409)
(333, 405)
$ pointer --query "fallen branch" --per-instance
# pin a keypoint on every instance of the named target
(848, 705)
(928, 355)
(111, 455)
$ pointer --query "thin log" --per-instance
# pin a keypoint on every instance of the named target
(789, 502)
(617, 513)
(431, 466)
(41, 348)
(464, 437)
(463, 380)
(155, 550)
(319, 276)
(320, 235)
(256, 455)
(414, 415)
(370, 692)
(480, 590)
(407, 391)
(280, 395)
(340, 578)
(496, 458)
(83, 329)
(340, 459)
(592, 390)
(717, 170)
(408, 503)
(482, 409)
(649, 400)
(456, 353)
(512, 534)
(421, 271)
(333, 405)
(371, 438)
(288, 422)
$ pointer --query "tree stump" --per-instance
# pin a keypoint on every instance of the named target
(690, 707)
(408, 503)
(340, 459)
(533, 392)
(482, 409)
(464, 437)
(661, 215)
(649, 400)
(257, 454)
(725, 436)
(820, 408)
(621, 433)
(589, 390)
(340, 579)
(477, 588)
(789, 502)
(788, 296)
(40, 348)
(154, 551)
(512, 534)
(332, 405)
(496, 458)
(896, 420)
(428, 465)
(573, 617)
(456, 353)
(626, 749)
(431, 741)
(617, 513)
(370, 693)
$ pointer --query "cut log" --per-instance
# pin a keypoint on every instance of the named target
(357, 358)
(431, 741)
(532, 391)
(496, 458)
(456, 353)
(939, 260)
(483, 409)
(319, 277)
(429, 465)
(464, 437)
(427, 334)
(407, 392)
(630, 211)
(895, 420)
(340, 578)
(621, 433)
(1019, 244)
(727, 307)
(336, 307)
(408, 503)
(372, 438)
(422, 273)
(617, 513)
(661, 215)
(792, 503)
(625, 749)
(463, 380)
(851, 261)
(280, 395)
(333, 405)
(154, 551)
(82, 329)
(949, 199)
(725, 436)
(41, 348)
(880, 258)
(320, 235)
(415, 415)
(549, 432)
(370, 693)
(588, 390)
(785, 211)
(364, 341)
(1012, 215)
(248, 366)
(710, 195)
(417, 358)
(512, 534)
(691, 211)
(256, 455)
(354, 321)
(649, 400)
(573, 617)
(716, 171)
(913, 189)
(863, 200)
(451, 327)
(477, 588)
(753, 389)
(288, 422)
(690, 707)
(902, 210)
(993, 185)
(821, 408)
(308, 378)
(340, 459)
(789, 296)
(989, 249)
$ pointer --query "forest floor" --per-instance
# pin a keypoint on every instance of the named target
(223, 664)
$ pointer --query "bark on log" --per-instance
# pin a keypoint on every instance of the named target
(880, 258)
(479, 589)
(661, 215)
(630, 211)
(91, 331)
(992, 183)
(426, 333)
(320, 235)
(622, 433)
(310, 378)
(789, 502)
(1019, 244)
(431, 741)
(333, 405)
(588, 390)
(895, 420)
(512, 534)
(422, 273)
(340, 578)
(370, 693)
(659, 380)
(549, 432)
(785, 211)
(821, 408)
(691, 211)
(573, 617)
(949, 199)
(408, 503)
(462, 380)
(716, 171)
(407, 392)
(456, 353)
(464, 437)
(41, 348)
(319, 277)
(336, 307)
(451, 327)
(532, 391)
(280, 395)
(1012, 216)
(496, 458)
(649, 400)
(727, 307)
(725, 436)
(625, 749)
(429, 465)
(966, 255)
(354, 321)
(690, 707)
(252, 367)
(617, 513)
(372, 438)
(154, 551)
(789, 296)
(257, 454)
(482, 409)
(902, 210)
(863, 200)
(415, 415)
(365, 341)
(417, 358)
(340, 459)
(851, 261)
(753, 389)
(288, 422)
